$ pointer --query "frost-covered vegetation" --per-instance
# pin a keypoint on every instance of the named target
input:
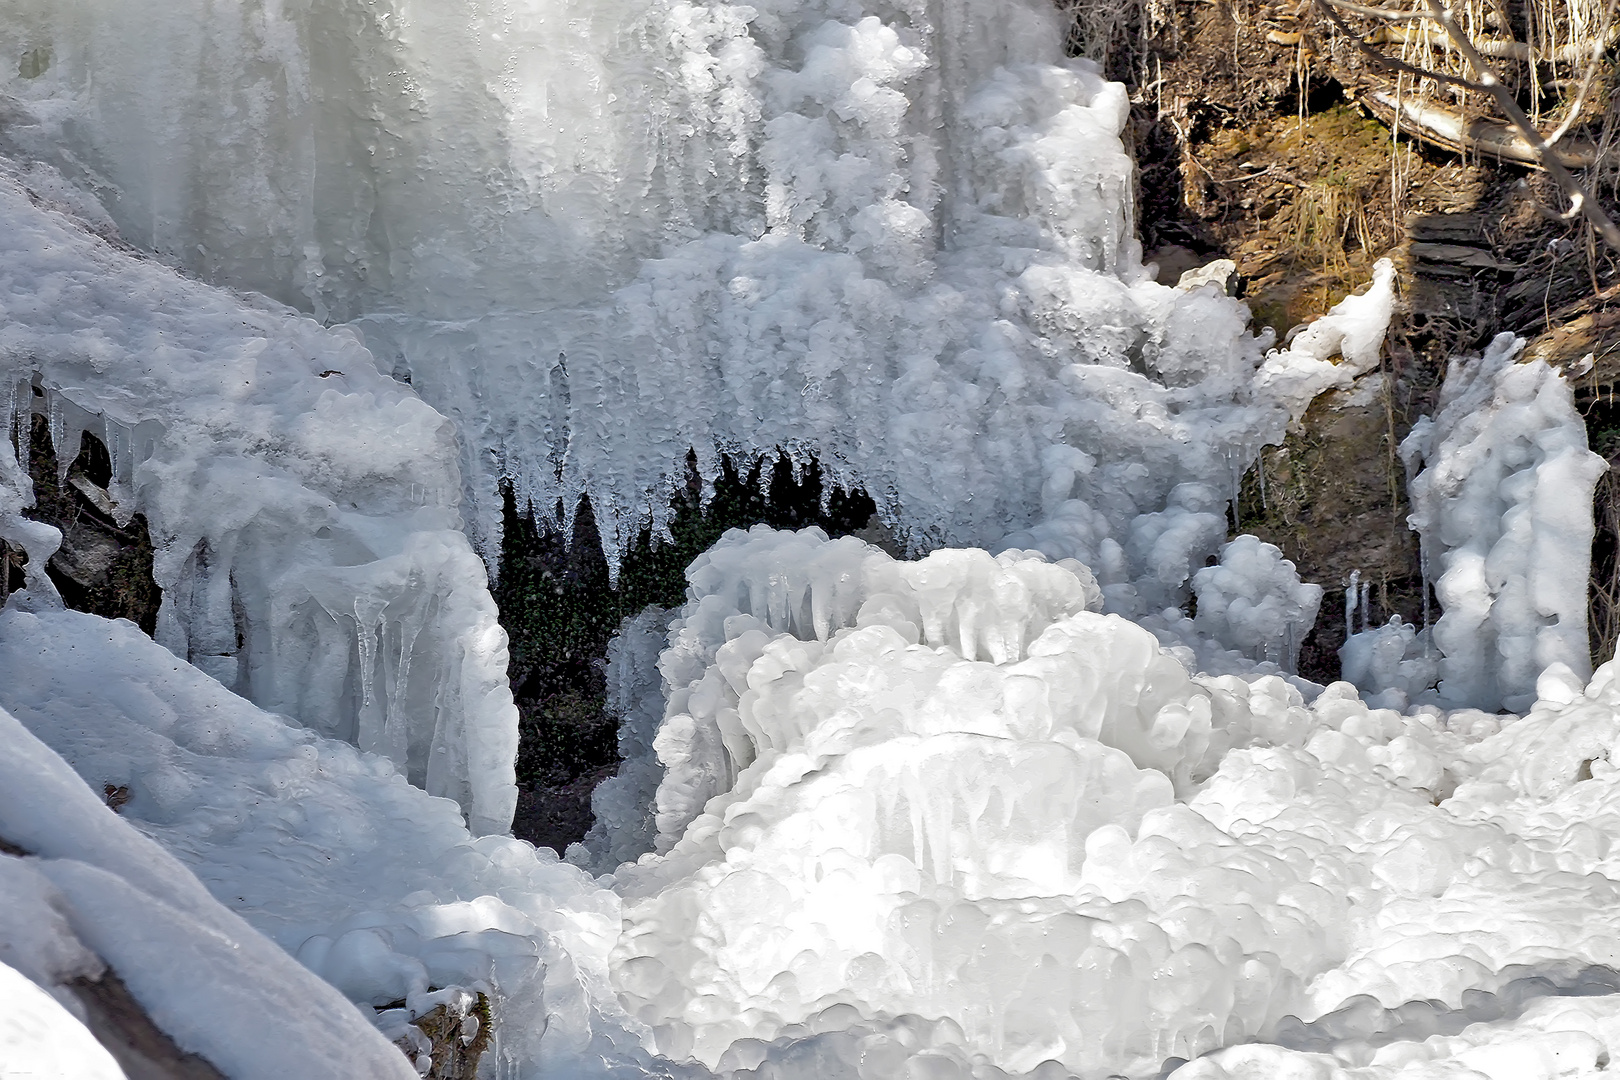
(1033, 790)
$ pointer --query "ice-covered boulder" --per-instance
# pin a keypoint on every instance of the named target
(350, 874)
(95, 891)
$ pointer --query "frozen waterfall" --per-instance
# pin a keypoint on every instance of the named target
(323, 276)
(597, 234)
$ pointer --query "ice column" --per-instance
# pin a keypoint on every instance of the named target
(1501, 493)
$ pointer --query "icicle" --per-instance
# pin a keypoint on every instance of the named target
(1261, 466)
(11, 411)
(116, 437)
(56, 428)
(367, 617)
(1234, 473)
(1350, 594)
(1423, 563)
(25, 423)
(1366, 605)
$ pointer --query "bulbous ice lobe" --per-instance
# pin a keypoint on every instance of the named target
(1501, 488)
(897, 807)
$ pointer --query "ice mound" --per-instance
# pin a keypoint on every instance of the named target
(1396, 657)
(754, 593)
(97, 892)
(897, 238)
(303, 505)
(1252, 600)
(917, 803)
(1555, 1039)
(1501, 493)
(1077, 857)
(372, 884)
(1065, 858)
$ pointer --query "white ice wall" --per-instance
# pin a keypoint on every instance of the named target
(303, 506)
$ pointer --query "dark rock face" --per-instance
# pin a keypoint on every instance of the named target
(102, 567)
(141, 1049)
(452, 1039)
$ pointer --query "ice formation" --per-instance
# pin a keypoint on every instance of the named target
(372, 884)
(1252, 600)
(97, 892)
(303, 506)
(1397, 657)
(948, 817)
(1074, 850)
(1501, 494)
(895, 237)
(938, 815)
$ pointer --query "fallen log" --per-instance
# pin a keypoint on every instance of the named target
(1488, 138)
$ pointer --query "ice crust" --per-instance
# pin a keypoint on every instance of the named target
(896, 237)
(372, 884)
(302, 505)
(1064, 858)
(96, 888)
(1501, 493)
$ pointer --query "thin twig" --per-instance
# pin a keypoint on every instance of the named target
(1388, 63)
(1586, 79)
(1392, 14)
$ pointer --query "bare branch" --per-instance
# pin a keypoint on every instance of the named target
(1499, 50)
(1509, 105)
(1393, 14)
(1389, 63)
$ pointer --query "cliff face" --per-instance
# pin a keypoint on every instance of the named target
(1262, 135)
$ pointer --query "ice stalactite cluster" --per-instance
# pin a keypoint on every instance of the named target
(1501, 494)
(896, 237)
(303, 505)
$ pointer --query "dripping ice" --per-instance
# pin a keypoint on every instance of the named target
(278, 512)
